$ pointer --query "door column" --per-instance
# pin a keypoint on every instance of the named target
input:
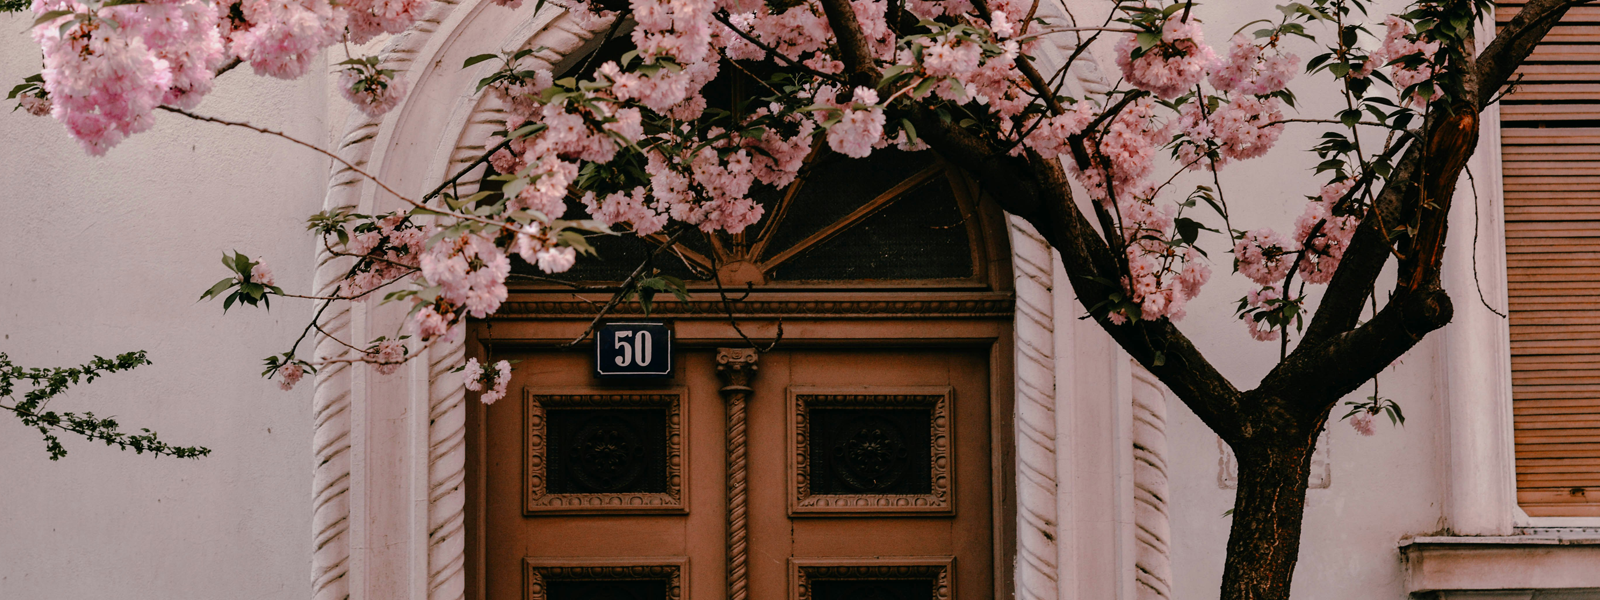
(735, 367)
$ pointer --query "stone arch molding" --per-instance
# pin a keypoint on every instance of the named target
(389, 486)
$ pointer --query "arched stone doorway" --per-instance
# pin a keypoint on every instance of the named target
(390, 479)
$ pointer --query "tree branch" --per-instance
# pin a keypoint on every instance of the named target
(1037, 190)
(859, 66)
(1515, 42)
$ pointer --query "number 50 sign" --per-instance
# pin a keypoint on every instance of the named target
(633, 350)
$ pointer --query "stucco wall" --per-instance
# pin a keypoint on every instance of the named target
(105, 255)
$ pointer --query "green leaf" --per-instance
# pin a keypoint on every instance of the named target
(1148, 40)
(477, 59)
(50, 16)
(221, 286)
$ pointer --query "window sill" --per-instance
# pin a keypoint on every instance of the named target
(1542, 559)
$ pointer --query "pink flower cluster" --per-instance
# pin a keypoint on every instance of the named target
(281, 37)
(1325, 247)
(388, 356)
(1399, 42)
(1362, 422)
(390, 251)
(859, 127)
(1171, 67)
(289, 375)
(470, 271)
(492, 383)
(374, 91)
(107, 72)
(262, 275)
(1258, 299)
(371, 18)
(1246, 71)
(1320, 240)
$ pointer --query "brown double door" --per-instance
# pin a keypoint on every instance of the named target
(866, 476)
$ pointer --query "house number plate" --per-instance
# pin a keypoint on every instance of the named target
(633, 350)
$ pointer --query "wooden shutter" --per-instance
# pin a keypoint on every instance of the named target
(1551, 149)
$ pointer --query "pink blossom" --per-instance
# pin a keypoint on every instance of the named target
(285, 35)
(104, 81)
(470, 271)
(1246, 71)
(491, 383)
(1396, 45)
(1247, 127)
(1260, 329)
(373, 91)
(430, 324)
(390, 357)
(261, 274)
(1326, 248)
(1000, 24)
(472, 375)
(289, 375)
(1263, 256)
(1171, 67)
(1050, 138)
(857, 130)
(502, 377)
(370, 18)
(557, 260)
(632, 207)
(37, 105)
(1362, 422)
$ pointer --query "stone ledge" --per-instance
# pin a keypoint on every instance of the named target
(1516, 564)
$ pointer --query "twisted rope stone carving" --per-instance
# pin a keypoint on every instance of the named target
(1152, 527)
(736, 366)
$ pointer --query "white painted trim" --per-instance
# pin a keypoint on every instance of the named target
(1036, 434)
(1527, 522)
(1475, 351)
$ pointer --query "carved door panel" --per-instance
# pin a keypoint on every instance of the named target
(820, 474)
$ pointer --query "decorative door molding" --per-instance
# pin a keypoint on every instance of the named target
(876, 447)
(540, 574)
(603, 446)
(936, 571)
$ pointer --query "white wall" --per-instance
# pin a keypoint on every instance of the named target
(106, 255)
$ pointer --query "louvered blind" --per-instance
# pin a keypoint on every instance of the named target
(1551, 150)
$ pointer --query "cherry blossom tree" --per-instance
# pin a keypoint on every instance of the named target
(639, 145)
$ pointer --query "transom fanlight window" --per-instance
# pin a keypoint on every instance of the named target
(892, 217)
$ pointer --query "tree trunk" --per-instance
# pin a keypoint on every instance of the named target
(1265, 541)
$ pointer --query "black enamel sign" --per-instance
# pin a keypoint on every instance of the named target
(636, 349)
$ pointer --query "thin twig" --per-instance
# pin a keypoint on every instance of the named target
(727, 306)
(286, 136)
(1475, 228)
(627, 284)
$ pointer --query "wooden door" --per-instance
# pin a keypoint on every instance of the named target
(866, 475)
